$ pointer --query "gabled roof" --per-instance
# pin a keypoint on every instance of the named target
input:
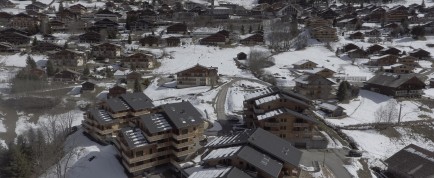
(182, 114)
(155, 123)
(277, 147)
(237, 138)
(281, 111)
(304, 61)
(309, 78)
(413, 161)
(101, 116)
(117, 105)
(137, 101)
(198, 66)
(134, 137)
(222, 153)
(392, 80)
(261, 161)
(226, 172)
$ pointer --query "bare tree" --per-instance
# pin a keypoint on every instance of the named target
(387, 113)
(258, 60)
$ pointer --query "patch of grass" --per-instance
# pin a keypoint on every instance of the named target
(424, 116)
(365, 172)
(390, 132)
(425, 131)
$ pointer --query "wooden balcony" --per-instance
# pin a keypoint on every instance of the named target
(300, 124)
(96, 129)
(139, 113)
(145, 166)
(154, 138)
(182, 145)
(183, 136)
(117, 115)
(273, 124)
(183, 153)
(144, 157)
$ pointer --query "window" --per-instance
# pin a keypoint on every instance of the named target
(139, 153)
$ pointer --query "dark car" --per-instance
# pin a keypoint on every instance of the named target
(354, 153)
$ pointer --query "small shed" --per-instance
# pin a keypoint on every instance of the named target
(87, 86)
(331, 110)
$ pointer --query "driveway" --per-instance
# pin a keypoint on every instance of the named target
(333, 160)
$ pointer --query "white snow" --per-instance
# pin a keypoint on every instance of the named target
(222, 153)
(18, 60)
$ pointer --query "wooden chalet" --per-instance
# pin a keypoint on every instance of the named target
(215, 39)
(313, 86)
(305, 64)
(90, 37)
(411, 161)
(197, 75)
(396, 85)
(385, 60)
(420, 54)
(116, 91)
(178, 28)
(255, 39)
(67, 75)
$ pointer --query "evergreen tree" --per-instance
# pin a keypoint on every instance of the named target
(146, 83)
(86, 71)
(129, 39)
(133, 67)
(19, 164)
(423, 3)
(50, 68)
(108, 73)
(61, 7)
(65, 46)
(31, 63)
(259, 27)
(35, 41)
(137, 86)
(250, 29)
(242, 30)
(231, 27)
(342, 93)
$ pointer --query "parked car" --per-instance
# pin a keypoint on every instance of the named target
(354, 153)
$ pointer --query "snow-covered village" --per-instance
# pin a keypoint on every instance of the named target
(216, 88)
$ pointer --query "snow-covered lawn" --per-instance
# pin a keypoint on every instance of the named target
(235, 96)
(157, 93)
(362, 109)
(104, 164)
(377, 145)
(188, 56)
(18, 60)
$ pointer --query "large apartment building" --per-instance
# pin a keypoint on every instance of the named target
(105, 121)
(283, 114)
(169, 135)
(146, 136)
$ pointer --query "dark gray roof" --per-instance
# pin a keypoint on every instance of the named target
(278, 148)
(237, 138)
(280, 111)
(117, 105)
(224, 172)
(182, 114)
(391, 80)
(137, 101)
(155, 123)
(134, 137)
(261, 161)
(236, 173)
(101, 116)
(413, 161)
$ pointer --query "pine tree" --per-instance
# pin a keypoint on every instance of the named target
(342, 93)
(86, 71)
(19, 164)
(146, 83)
(61, 7)
(108, 73)
(129, 39)
(423, 3)
(50, 68)
(137, 86)
(250, 29)
(35, 41)
(65, 46)
(242, 30)
(133, 67)
(31, 63)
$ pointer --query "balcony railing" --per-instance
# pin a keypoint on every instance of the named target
(300, 125)
(182, 145)
(98, 130)
(153, 138)
(130, 160)
(145, 166)
(183, 153)
(273, 124)
(183, 136)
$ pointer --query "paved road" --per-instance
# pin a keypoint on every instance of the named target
(221, 101)
(333, 160)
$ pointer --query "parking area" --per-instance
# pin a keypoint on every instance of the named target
(333, 159)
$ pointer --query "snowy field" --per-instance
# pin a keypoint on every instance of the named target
(379, 146)
(185, 57)
(18, 60)
(104, 164)
(235, 96)
(362, 109)
(158, 92)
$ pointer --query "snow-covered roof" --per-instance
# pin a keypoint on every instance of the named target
(134, 137)
(328, 106)
(270, 114)
(222, 153)
(259, 92)
(240, 137)
(267, 99)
